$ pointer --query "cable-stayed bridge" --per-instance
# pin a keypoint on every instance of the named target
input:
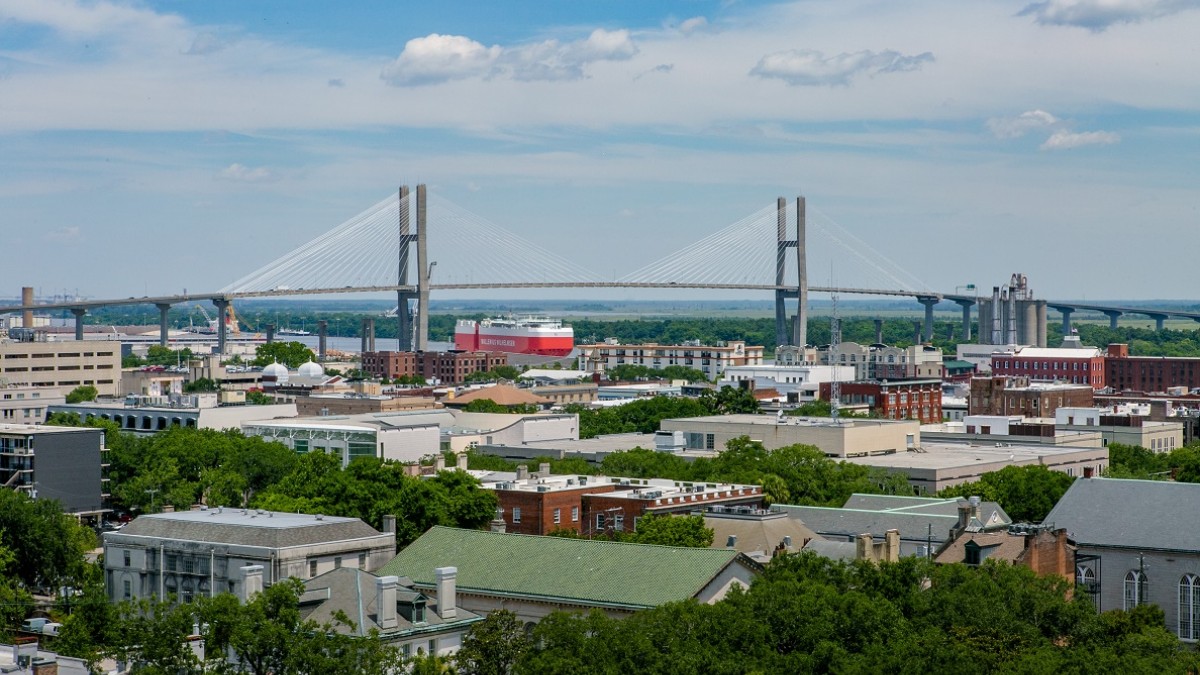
(413, 243)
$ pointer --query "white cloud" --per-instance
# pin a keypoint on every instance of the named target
(1097, 15)
(810, 67)
(245, 174)
(65, 235)
(207, 42)
(1015, 127)
(693, 24)
(1065, 140)
(441, 58)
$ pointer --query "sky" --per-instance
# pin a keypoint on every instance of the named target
(150, 147)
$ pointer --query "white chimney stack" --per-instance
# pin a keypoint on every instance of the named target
(447, 593)
(385, 602)
(252, 581)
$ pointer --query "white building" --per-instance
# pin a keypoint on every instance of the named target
(795, 383)
(710, 360)
(881, 362)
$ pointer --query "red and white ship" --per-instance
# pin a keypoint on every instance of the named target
(528, 335)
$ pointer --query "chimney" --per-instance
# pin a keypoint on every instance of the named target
(439, 462)
(891, 546)
(522, 472)
(385, 602)
(447, 591)
(461, 461)
(544, 469)
(498, 524)
(27, 300)
(252, 581)
(964, 516)
(864, 547)
(731, 542)
(974, 501)
(389, 523)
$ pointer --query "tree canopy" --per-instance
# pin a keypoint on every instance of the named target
(291, 354)
(82, 393)
(1027, 493)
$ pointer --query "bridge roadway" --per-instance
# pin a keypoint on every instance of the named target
(927, 298)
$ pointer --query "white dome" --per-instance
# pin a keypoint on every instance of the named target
(311, 369)
(277, 371)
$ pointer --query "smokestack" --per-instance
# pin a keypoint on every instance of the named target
(322, 338)
(996, 336)
(252, 581)
(270, 333)
(447, 592)
(385, 602)
(27, 300)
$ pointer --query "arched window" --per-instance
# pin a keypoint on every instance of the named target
(1189, 607)
(1135, 589)
(1085, 579)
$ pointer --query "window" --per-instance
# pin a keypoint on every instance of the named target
(337, 563)
(516, 514)
(574, 514)
(362, 561)
(127, 558)
(557, 516)
(127, 587)
(1189, 607)
(600, 521)
(433, 646)
(312, 568)
(709, 442)
(1135, 589)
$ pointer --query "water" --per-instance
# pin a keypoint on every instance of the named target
(352, 345)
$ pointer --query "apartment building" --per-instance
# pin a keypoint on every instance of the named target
(63, 365)
(710, 360)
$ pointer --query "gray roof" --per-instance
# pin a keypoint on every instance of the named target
(834, 523)
(1130, 513)
(352, 591)
(988, 511)
(238, 527)
(836, 550)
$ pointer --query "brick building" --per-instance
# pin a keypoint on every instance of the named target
(1149, 373)
(540, 503)
(1006, 395)
(1076, 365)
(447, 367)
(710, 360)
(900, 400)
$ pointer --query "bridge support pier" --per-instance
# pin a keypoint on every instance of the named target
(1159, 321)
(403, 317)
(929, 302)
(1066, 319)
(79, 313)
(966, 318)
(322, 338)
(163, 327)
(270, 333)
(878, 331)
(424, 271)
(222, 305)
(1112, 315)
(800, 325)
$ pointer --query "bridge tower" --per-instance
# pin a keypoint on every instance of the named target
(403, 318)
(799, 330)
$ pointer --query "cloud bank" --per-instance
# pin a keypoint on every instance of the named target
(1097, 15)
(806, 67)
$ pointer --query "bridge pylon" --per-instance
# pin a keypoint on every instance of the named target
(798, 334)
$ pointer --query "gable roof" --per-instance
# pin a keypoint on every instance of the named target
(1146, 514)
(1003, 545)
(246, 527)
(582, 571)
(990, 513)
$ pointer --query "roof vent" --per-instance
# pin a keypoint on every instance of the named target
(731, 541)
(320, 517)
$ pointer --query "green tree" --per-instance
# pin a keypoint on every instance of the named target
(15, 602)
(493, 646)
(688, 531)
(82, 393)
(202, 384)
(729, 400)
(47, 545)
(1027, 493)
(485, 405)
(290, 354)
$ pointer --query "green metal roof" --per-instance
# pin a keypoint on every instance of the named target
(585, 571)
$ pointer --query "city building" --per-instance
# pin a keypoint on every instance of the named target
(576, 393)
(712, 360)
(403, 616)
(845, 437)
(1018, 395)
(450, 367)
(1012, 315)
(62, 365)
(1072, 363)
(1041, 548)
(922, 523)
(892, 399)
(794, 383)
(1002, 429)
(500, 394)
(151, 381)
(881, 362)
(190, 553)
(152, 414)
(1125, 428)
(534, 576)
(758, 533)
(1136, 543)
(28, 404)
(591, 450)
(352, 403)
(1149, 373)
(66, 464)
(209, 367)
(541, 502)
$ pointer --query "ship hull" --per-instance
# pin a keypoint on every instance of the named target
(554, 342)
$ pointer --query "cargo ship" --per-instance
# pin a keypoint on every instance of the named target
(528, 335)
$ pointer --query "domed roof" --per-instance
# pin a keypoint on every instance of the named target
(277, 371)
(311, 369)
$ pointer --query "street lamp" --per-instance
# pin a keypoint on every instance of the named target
(152, 492)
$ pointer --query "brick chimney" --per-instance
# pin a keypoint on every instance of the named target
(522, 472)
(891, 546)
(385, 602)
(864, 547)
(461, 461)
(447, 591)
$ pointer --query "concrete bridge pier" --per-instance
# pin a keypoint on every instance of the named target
(1112, 315)
(163, 326)
(79, 313)
(1066, 319)
(929, 301)
(1159, 320)
(222, 305)
(367, 335)
(966, 318)
(322, 337)
(270, 333)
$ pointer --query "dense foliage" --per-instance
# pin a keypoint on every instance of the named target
(46, 545)
(1131, 461)
(686, 531)
(82, 394)
(290, 354)
(632, 371)
(487, 405)
(644, 414)
(1027, 493)
(807, 614)
(158, 355)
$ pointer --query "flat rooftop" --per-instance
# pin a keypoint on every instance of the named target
(248, 518)
(41, 429)
(941, 456)
(792, 421)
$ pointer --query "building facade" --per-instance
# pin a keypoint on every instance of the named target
(193, 553)
(894, 400)
(710, 360)
(450, 367)
(1017, 395)
(881, 362)
(63, 365)
(66, 464)
(1074, 365)
(1149, 373)
(27, 404)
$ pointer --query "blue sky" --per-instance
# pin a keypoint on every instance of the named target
(148, 147)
